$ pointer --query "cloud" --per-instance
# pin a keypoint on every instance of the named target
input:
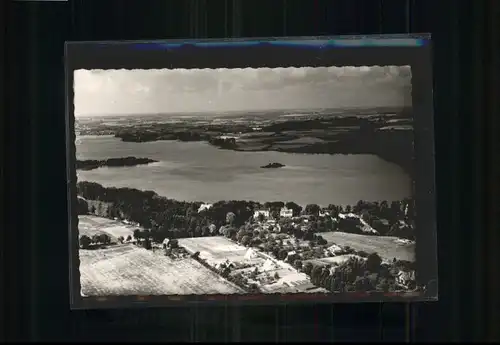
(184, 90)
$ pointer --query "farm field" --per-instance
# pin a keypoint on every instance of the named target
(385, 246)
(215, 249)
(129, 270)
(93, 225)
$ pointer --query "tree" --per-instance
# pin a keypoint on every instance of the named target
(383, 285)
(321, 241)
(335, 283)
(245, 240)
(129, 238)
(223, 230)
(121, 239)
(105, 239)
(275, 214)
(294, 207)
(316, 274)
(231, 232)
(96, 239)
(297, 264)
(313, 209)
(261, 217)
(282, 253)
(359, 284)
(85, 241)
(308, 236)
(240, 234)
(276, 275)
(137, 234)
(255, 242)
(307, 268)
(147, 243)
(212, 229)
(373, 262)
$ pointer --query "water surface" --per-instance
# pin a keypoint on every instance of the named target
(197, 171)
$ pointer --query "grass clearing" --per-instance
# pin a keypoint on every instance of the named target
(333, 260)
(386, 246)
(129, 270)
(93, 225)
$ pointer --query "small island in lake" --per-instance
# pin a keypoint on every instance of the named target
(92, 164)
(273, 166)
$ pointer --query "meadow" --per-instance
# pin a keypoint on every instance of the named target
(130, 270)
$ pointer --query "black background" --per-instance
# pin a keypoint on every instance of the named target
(35, 301)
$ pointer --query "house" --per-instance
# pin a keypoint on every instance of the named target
(381, 224)
(405, 278)
(335, 249)
(286, 212)
(264, 213)
(169, 243)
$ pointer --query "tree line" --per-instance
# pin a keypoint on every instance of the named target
(357, 274)
(167, 218)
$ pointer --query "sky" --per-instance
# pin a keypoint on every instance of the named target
(154, 91)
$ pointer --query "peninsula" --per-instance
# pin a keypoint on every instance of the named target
(387, 137)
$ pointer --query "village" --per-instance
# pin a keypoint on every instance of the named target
(277, 253)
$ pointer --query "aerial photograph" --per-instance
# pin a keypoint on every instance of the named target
(245, 181)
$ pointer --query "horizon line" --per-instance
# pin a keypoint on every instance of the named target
(312, 110)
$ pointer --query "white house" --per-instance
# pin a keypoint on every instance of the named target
(264, 213)
(286, 212)
(335, 249)
(204, 207)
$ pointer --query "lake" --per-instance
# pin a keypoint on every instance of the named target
(197, 171)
